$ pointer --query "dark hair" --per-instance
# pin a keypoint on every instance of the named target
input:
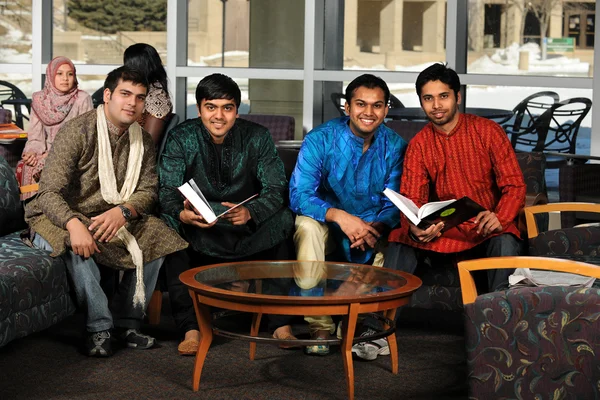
(145, 58)
(124, 74)
(369, 81)
(218, 86)
(438, 72)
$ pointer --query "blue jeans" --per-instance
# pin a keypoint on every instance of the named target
(85, 276)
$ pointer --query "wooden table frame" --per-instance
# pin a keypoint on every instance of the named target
(349, 307)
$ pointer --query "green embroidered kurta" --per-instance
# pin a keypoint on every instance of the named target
(70, 188)
(248, 164)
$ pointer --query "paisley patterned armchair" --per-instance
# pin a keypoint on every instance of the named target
(580, 243)
(532, 342)
(34, 291)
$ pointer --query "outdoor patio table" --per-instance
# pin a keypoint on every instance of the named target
(416, 113)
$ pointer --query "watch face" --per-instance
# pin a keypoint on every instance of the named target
(126, 212)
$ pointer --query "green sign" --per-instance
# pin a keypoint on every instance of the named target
(560, 45)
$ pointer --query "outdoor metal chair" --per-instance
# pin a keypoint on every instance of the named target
(395, 102)
(528, 110)
(555, 130)
(10, 95)
(336, 99)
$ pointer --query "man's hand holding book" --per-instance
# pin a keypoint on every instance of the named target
(190, 216)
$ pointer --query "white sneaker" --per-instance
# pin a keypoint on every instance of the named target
(371, 349)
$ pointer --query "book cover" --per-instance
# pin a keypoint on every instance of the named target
(451, 212)
(192, 192)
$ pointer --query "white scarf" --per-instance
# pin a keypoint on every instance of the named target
(108, 187)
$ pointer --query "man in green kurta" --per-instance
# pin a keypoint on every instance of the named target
(230, 159)
(94, 205)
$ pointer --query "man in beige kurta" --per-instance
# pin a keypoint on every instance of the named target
(72, 217)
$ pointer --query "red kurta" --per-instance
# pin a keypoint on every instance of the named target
(475, 160)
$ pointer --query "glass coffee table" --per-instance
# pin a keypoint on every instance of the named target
(298, 288)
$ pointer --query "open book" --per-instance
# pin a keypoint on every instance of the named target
(192, 192)
(451, 212)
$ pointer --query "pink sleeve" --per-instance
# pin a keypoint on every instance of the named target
(36, 139)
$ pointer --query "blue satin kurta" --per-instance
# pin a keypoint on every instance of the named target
(332, 171)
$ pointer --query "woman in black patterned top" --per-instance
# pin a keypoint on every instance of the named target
(158, 107)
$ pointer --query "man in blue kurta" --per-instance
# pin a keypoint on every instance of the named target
(336, 189)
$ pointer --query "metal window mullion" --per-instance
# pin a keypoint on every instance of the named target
(309, 64)
(177, 43)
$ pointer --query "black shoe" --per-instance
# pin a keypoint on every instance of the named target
(134, 339)
(97, 344)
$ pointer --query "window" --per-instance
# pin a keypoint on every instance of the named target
(393, 35)
(100, 36)
(242, 33)
(546, 37)
(15, 31)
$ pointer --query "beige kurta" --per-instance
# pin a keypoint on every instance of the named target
(70, 187)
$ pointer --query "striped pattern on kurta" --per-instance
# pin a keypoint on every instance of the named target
(475, 159)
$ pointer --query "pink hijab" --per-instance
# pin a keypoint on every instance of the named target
(51, 105)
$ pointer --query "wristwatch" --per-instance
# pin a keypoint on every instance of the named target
(126, 212)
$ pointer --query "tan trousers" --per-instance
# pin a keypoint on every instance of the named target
(313, 242)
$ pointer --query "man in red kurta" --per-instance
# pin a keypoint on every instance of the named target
(458, 155)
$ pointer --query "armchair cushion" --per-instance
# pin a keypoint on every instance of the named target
(532, 341)
(581, 243)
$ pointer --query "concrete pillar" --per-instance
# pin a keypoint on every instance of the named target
(512, 30)
(277, 41)
(351, 48)
(556, 21)
(476, 23)
(434, 26)
(390, 31)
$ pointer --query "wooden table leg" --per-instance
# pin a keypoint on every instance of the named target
(206, 336)
(254, 332)
(391, 314)
(349, 327)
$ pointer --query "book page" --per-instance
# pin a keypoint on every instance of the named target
(194, 186)
(432, 207)
(405, 205)
(199, 203)
(237, 205)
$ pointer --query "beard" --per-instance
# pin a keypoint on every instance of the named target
(447, 118)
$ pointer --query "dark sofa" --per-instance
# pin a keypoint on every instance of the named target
(34, 290)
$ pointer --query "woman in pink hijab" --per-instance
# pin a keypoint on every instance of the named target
(59, 102)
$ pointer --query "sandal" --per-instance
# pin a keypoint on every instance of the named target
(285, 335)
(188, 347)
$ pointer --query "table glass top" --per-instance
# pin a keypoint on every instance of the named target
(303, 278)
